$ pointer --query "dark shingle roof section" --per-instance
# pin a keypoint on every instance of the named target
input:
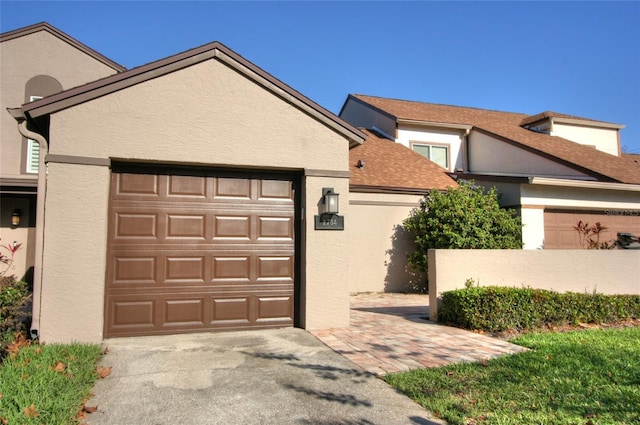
(43, 26)
(507, 127)
(394, 167)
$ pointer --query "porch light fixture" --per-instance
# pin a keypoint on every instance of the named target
(15, 218)
(330, 201)
(328, 219)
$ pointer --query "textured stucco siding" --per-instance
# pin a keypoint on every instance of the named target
(379, 244)
(40, 53)
(207, 115)
(75, 245)
(603, 139)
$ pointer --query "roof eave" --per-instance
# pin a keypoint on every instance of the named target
(44, 26)
(165, 66)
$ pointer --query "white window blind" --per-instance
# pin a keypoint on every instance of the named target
(33, 149)
(436, 153)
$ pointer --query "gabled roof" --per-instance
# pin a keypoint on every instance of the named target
(43, 26)
(113, 83)
(507, 126)
(387, 166)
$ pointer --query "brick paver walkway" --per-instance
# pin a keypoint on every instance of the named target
(389, 333)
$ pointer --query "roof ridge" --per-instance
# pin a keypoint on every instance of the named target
(358, 95)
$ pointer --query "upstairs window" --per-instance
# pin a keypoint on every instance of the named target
(33, 149)
(436, 153)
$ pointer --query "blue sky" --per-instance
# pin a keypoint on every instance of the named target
(578, 58)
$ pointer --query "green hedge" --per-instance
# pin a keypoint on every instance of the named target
(493, 308)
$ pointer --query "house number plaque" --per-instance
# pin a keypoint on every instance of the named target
(329, 222)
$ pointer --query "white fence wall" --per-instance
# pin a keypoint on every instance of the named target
(605, 272)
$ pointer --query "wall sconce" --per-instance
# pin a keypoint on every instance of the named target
(329, 218)
(15, 218)
(330, 200)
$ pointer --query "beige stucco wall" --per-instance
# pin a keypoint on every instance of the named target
(206, 114)
(379, 245)
(23, 58)
(606, 272)
(74, 263)
(492, 156)
(604, 139)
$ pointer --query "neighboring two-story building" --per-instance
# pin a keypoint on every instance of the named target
(37, 61)
(555, 168)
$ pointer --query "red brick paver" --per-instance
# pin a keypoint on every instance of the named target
(390, 333)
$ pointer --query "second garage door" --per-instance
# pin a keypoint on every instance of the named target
(559, 232)
(193, 251)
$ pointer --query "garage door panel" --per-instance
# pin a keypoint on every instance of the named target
(134, 270)
(275, 227)
(187, 186)
(135, 225)
(191, 253)
(184, 226)
(137, 185)
(274, 309)
(275, 190)
(232, 227)
(232, 311)
(231, 268)
(132, 313)
(184, 270)
(184, 312)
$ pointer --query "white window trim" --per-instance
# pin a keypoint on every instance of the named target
(431, 145)
(33, 150)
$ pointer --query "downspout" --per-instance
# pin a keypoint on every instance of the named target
(465, 151)
(40, 206)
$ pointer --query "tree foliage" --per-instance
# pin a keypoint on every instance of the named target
(465, 217)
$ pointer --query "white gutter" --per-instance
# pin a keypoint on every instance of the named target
(546, 181)
(40, 204)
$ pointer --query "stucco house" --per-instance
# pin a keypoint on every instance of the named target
(556, 169)
(182, 196)
(36, 61)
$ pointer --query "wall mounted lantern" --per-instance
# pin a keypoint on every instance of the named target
(15, 218)
(330, 200)
(329, 218)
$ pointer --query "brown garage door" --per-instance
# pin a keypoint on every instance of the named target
(191, 252)
(560, 234)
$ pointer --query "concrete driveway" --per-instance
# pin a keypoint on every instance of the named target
(282, 376)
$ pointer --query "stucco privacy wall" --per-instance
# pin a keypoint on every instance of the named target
(378, 245)
(206, 114)
(606, 272)
(39, 53)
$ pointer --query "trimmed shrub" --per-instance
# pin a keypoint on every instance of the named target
(465, 217)
(493, 308)
(14, 296)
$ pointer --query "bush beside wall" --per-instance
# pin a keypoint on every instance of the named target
(14, 296)
(493, 308)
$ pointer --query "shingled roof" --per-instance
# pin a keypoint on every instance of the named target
(507, 126)
(392, 167)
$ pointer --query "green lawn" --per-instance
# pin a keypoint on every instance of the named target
(582, 377)
(46, 384)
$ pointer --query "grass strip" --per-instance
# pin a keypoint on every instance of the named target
(46, 384)
(579, 377)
